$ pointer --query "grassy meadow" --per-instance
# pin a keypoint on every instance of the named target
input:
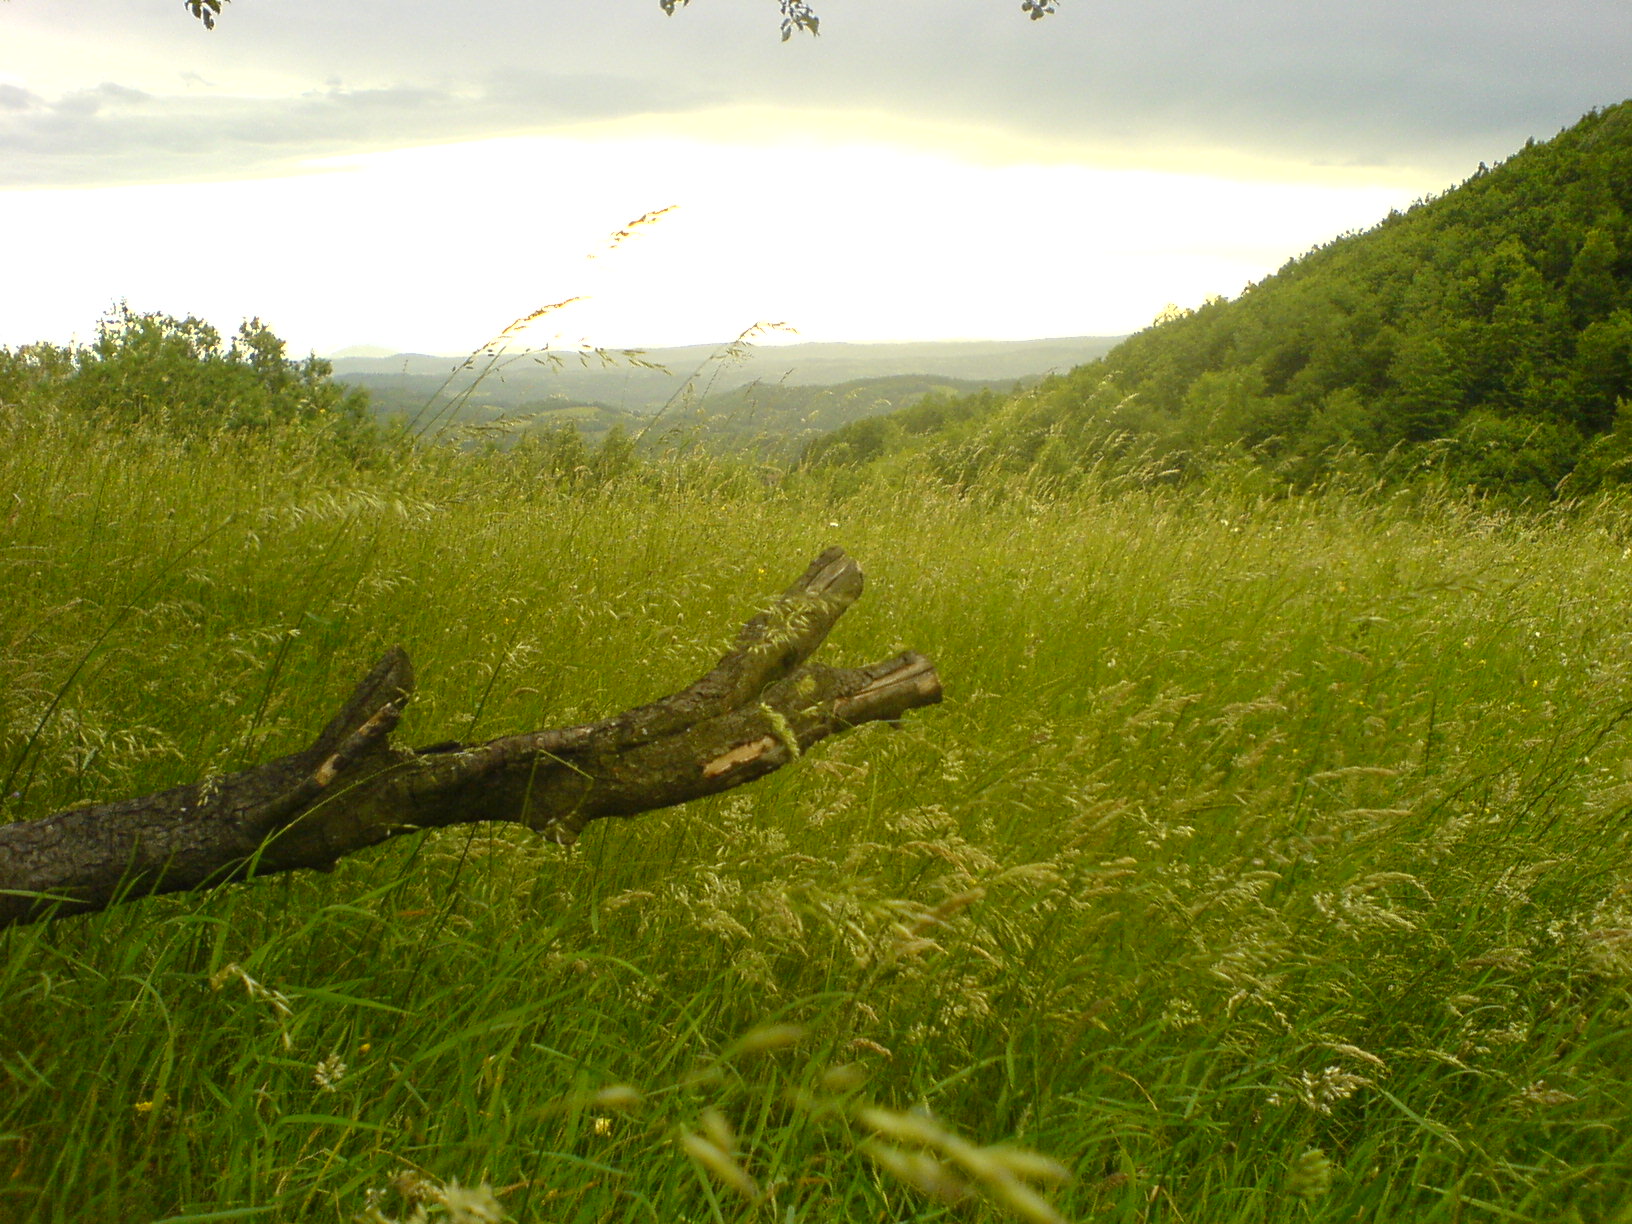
(1269, 860)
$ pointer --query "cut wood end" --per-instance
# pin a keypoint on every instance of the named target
(835, 575)
(912, 683)
(910, 669)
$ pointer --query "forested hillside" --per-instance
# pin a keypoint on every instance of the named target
(1486, 334)
(777, 419)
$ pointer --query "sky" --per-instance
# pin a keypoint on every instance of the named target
(414, 176)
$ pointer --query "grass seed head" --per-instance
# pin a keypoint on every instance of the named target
(919, 1170)
(1021, 1199)
(1310, 1175)
(768, 1037)
(845, 1077)
(718, 1130)
(719, 1165)
(329, 1073)
(471, 1205)
(618, 1097)
(1031, 1166)
(904, 1127)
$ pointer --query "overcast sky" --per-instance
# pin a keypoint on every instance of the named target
(414, 175)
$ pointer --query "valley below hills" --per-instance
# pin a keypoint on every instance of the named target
(782, 393)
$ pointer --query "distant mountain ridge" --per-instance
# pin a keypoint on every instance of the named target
(517, 380)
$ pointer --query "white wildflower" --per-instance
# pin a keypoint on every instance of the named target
(328, 1073)
(1539, 1096)
(1332, 1085)
(471, 1205)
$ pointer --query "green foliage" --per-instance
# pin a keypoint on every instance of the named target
(178, 376)
(205, 10)
(1508, 300)
(1606, 462)
(780, 420)
(864, 439)
(797, 16)
(771, 421)
(1513, 458)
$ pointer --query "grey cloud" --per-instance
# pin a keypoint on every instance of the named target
(1388, 82)
(16, 98)
(113, 134)
(93, 101)
(1383, 82)
(594, 95)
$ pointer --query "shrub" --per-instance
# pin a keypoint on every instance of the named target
(180, 376)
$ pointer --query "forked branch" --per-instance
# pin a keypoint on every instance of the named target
(760, 706)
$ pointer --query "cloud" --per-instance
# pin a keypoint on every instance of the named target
(1383, 83)
(16, 98)
(112, 133)
(1390, 83)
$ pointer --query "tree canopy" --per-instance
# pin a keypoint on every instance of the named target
(183, 377)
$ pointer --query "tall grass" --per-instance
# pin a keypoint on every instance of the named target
(1269, 859)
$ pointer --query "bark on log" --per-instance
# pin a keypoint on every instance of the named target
(761, 706)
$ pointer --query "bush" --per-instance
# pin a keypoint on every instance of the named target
(179, 376)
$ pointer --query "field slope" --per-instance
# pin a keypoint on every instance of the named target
(1269, 859)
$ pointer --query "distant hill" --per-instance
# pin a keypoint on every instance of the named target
(697, 379)
(1486, 333)
(777, 420)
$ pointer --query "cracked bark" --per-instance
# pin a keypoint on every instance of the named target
(758, 708)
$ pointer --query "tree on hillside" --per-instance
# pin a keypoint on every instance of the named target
(183, 377)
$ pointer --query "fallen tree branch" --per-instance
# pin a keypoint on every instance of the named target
(761, 706)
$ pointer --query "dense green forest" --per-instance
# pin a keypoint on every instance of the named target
(1485, 334)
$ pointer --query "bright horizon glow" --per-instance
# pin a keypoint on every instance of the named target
(436, 249)
(920, 172)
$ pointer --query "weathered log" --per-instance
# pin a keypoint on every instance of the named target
(761, 706)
